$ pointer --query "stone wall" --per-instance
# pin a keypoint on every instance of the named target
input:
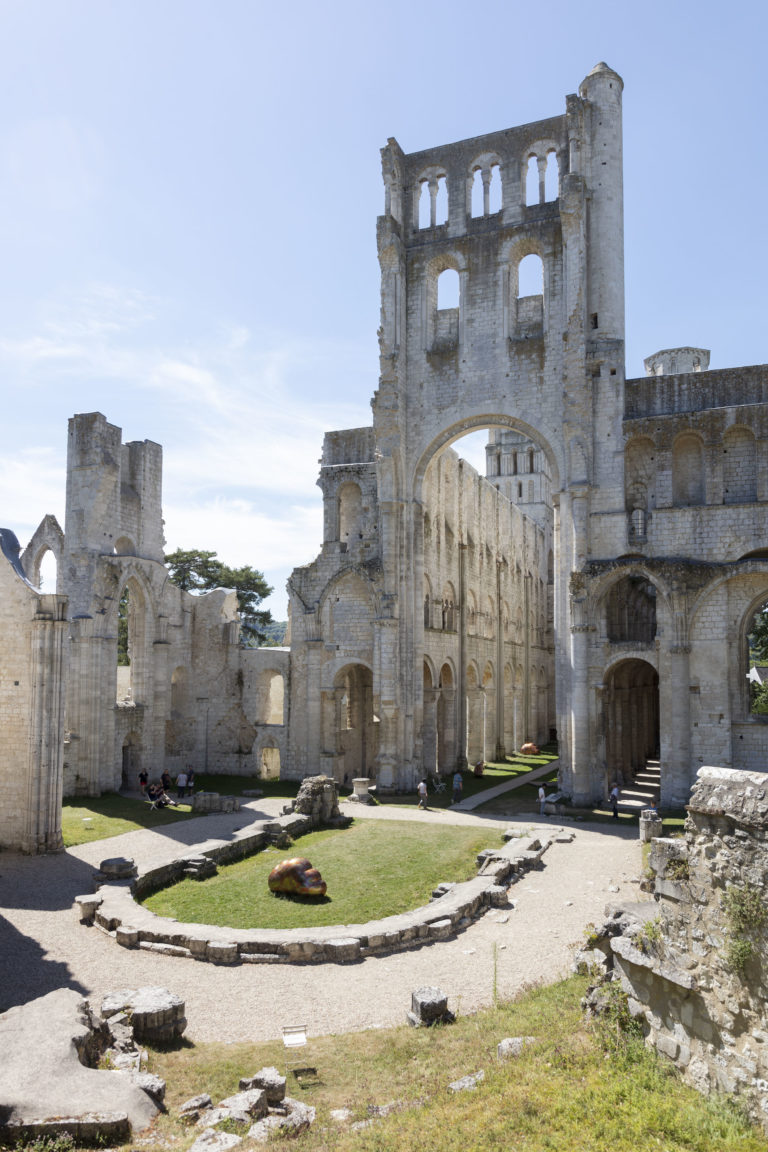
(697, 972)
(32, 666)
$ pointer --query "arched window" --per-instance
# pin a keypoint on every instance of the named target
(424, 205)
(757, 661)
(739, 467)
(272, 695)
(687, 471)
(530, 276)
(350, 513)
(441, 201)
(532, 181)
(552, 177)
(477, 193)
(631, 611)
(448, 286)
(47, 575)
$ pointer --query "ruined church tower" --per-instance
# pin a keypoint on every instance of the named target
(547, 365)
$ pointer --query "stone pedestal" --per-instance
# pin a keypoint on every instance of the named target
(650, 825)
(360, 790)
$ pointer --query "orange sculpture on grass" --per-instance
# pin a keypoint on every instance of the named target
(298, 877)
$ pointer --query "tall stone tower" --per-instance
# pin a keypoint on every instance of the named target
(544, 368)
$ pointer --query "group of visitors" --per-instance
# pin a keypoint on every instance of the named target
(159, 794)
(458, 788)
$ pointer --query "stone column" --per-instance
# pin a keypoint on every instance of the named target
(499, 749)
(461, 759)
(429, 736)
(42, 831)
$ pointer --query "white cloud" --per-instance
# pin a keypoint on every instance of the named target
(241, 416)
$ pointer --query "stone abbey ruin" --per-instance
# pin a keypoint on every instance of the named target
(600, 581)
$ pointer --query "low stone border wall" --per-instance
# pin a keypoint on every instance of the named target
(114, 909)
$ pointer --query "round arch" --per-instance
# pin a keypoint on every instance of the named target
(477, 423)
(630, 718)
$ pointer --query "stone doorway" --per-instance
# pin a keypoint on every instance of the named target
(631, 703)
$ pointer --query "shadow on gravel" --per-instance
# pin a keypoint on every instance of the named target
(26, 972)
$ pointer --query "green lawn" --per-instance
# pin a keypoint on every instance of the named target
(579, 1086)
(87, 818)
(496, 772)
(112, 814)
(372, 869)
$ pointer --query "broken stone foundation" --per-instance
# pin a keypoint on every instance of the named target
(694, 964)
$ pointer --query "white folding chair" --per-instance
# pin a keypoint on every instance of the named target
(294, 1038)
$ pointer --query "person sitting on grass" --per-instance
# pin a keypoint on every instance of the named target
(158, 797)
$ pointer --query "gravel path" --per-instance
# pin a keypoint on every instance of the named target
(42, 946)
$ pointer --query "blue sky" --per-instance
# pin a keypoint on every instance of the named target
(188, 201)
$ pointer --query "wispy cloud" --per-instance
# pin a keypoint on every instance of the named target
(241, 415)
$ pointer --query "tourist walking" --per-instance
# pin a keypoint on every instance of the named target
(458, 786)
(542, 800)
(422, 794)
(181, 785)
(614, 801)
(143, 780)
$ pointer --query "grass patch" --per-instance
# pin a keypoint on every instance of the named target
(373, 869)
(572, 1089)
(111, 815)
(510, 769)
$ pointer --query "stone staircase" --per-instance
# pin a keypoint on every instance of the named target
(641, 792)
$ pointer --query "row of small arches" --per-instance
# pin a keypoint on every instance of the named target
(484, 192)
(689, 470)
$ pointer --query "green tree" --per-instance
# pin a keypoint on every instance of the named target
(198, 571)
(758, 636)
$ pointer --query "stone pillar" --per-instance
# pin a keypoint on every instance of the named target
(499, 748)
(42, 831)
(675, 706)
(429, 737)
(461, 759)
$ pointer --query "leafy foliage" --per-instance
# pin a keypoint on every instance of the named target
(123, 658)
(746, 915)
(198, 571)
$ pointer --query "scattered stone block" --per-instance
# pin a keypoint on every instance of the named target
(118, 868)
(222, 952)
(127, 936)
(252, 1102)
(295, 1117)
(513, 1046)
(193, 1108)
(199, 867)
(46, 1085)
(154, 1086)
(213, 1141)
(650, 825)
(340, 1115)
(270, 1080)
(467, 1083)
(157, 1015)
(343, 950)
(496, 895)
(429, 1006)
(85, 907)
(440, 929)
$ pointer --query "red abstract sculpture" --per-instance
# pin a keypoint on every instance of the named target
(297, 876)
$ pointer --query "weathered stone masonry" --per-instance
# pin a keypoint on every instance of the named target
(600, 581)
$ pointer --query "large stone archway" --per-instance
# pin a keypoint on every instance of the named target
(631, 721)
